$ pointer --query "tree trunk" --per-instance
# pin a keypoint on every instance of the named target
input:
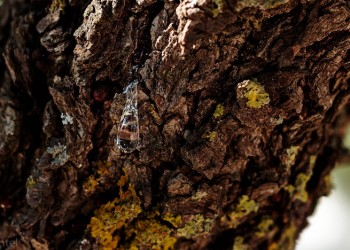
(241, 107)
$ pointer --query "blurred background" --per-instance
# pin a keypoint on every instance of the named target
(329, 227)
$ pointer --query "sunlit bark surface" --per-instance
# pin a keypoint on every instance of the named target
(241, 107)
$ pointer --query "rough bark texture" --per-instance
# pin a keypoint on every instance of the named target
(238, 104)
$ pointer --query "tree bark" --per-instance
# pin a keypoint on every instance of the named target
(241, 107)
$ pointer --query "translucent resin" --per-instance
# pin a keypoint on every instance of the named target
(128, 135)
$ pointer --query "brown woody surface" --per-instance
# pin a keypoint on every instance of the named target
(252, 169)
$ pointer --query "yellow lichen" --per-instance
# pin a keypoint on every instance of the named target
(37, 245)
(175, 221)
(30, 182)
(287, 240)
(123, 180)
(211, 136)
(290, 189)
(103, 168)
(265, 4)
(264, 226)
(328, 181)
(300, 187)
(298, 191)
(155, 115)
(312, 161)
(243, 208)
(150, 234)
(290, 156)
(239, 244)
(276, 121)
(197, 225)
(124, 217)
(113, 216)
(199, 195)
(90, 185)
(255, 94)
(218, 7)
(57, 5)
(219, 111)
(168, 243)
(273, 246)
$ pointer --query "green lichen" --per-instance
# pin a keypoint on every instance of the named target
(290, 156)
(150, 234)
(196, 225)
(219, 111)
(264, 226)
(256, 95)
(113, 216)
(218, 7)
(264, 4)
(244, 207)
(171, 75)
(239, 244)
(30, 182)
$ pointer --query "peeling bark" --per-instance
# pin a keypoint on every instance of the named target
(241, 104)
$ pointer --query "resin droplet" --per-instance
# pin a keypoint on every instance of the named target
(128, 130)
